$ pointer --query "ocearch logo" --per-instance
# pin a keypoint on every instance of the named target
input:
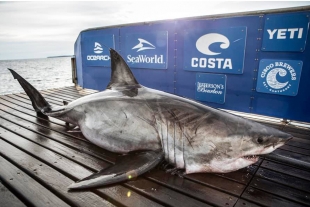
(273, 71)
(203, 45)
(98, 50)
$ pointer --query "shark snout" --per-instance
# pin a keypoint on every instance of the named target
(287, 138)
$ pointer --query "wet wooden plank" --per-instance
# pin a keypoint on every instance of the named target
(295, 150)
(24, 98)
(8, 113)
(32, 143)
(30, 189)
(168, 197)
(58, 182)
(284, 179)
(288, 170)
(267, 199)
(8, 199)
(299, 142)
(61, 94)
(204, 193)
(245, 203)
(280, 190)
(18, 125)
(217, 182)
(13, 104)
(243, 175)
(293, 155)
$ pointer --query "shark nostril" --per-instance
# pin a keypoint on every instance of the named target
(260, 140)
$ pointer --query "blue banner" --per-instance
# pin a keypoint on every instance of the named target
(210, 87)
(96, 50)
(285, 32)
(279, 77)
(147, 50)
(215, 50)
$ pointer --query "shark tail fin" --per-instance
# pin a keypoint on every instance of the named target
(39, 104)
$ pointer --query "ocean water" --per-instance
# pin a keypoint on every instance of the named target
(43, 73)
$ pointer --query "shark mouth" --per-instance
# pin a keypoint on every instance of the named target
(253, 158)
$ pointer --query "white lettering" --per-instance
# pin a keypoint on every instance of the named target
(194, 62)
(271, 33)
(203, 62)
(211, 63)
(219, 62)
(300, 33)
(144, 59)
(281, 34)
(98, 57)
(210, 88)
(227, 64)
(292, 32)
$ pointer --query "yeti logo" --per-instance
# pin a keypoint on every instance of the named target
(143, 45)
(279, 76)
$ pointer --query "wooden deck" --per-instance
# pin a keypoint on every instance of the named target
(39, 159)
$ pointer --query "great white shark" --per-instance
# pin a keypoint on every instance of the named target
(150, 126)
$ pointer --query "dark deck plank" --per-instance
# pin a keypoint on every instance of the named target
(8, 199)
(24, 185)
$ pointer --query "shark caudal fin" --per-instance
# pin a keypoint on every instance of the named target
(39, 104)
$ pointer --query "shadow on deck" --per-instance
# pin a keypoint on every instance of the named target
(39, 159)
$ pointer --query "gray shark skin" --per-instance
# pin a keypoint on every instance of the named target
(128, 117)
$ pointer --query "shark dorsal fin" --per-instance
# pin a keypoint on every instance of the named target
(121, 75)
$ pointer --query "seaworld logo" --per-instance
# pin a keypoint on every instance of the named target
(140, 46)
(203, 45)
(145, 45)
(272, 74)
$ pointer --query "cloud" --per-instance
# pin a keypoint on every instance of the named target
(27, 25)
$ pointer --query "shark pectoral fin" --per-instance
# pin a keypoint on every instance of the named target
(126, 168)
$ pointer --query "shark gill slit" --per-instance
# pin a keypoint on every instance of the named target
(174, 146)
(167, 135)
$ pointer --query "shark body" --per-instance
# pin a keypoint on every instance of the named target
(150, 125)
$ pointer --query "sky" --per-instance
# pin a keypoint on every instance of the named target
(39, 29)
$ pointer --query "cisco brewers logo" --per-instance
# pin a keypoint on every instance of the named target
(273, 72)
(203, 45)
(141, 46)
(98, 50)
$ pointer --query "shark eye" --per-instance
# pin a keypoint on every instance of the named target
(260, 140)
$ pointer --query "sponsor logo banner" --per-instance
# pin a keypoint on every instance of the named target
(210, 87)
(215, 50)
(285, 32)
(96, 50)
(279, 77)
(147, 50)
